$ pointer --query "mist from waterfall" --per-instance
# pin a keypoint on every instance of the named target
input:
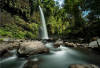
(43, 24)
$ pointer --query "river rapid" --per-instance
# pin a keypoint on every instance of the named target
(61, 57)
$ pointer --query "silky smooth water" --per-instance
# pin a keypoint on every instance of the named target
(61, 57)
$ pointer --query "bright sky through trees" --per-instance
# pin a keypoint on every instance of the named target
(61, 2)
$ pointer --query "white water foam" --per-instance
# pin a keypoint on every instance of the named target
(44, 30)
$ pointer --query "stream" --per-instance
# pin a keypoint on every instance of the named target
(61, 57)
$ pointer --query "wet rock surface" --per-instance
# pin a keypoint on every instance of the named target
(8, 54)
(3, 49)
(94, 39)
(59, 42)
(83, 66)
(28, 48)
(79, 45)
(32, 64)
(14, 45)
(31, 48)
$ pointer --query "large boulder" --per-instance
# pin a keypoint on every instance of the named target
(94, 39)
(3, 49)
(93, 44)
(14, 45)
(83, 66)
(58, 42)
(98, 42)
(31, 48)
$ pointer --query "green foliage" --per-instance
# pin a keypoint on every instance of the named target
(15, 27)
(29, 27)
(29, 35)
(56, 26)
(19, 34)
(23, 8)
(48, 7)
(52, 23)
(1, 39)
(68, 21)
(71, 32)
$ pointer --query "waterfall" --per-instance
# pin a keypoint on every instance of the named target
(43, 24)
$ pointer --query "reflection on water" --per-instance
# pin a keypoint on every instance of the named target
(61, 57)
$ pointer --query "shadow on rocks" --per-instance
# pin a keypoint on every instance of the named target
(32, 64)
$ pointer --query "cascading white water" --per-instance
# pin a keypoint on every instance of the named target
(44, 28)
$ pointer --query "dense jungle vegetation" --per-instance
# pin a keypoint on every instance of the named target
(20, 18)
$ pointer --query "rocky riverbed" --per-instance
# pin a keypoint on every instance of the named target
(27, 48)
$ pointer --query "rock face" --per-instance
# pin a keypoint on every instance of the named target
(83, 66)
(31, 48)
(3, 49)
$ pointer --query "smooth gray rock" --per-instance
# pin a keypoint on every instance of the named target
(93, 44)
(58, 42)
(31, 48)
(94, 39)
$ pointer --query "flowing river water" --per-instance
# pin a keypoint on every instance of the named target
(61, 57)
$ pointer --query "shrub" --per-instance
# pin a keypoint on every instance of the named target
(29, 35)
(1, 39)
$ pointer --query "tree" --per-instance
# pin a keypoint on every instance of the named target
(73, 8)
(93, 6)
